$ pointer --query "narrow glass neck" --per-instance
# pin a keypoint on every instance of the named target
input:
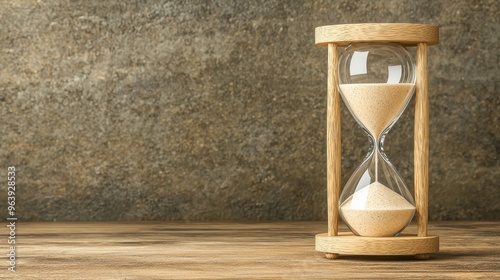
(377, 152)
(377, 143)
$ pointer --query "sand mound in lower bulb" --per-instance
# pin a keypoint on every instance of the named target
(377, 210)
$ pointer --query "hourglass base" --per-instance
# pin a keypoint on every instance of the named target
(403, 245)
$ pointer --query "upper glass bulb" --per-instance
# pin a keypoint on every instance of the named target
(376, 83)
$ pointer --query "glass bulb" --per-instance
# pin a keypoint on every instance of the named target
(376, 83)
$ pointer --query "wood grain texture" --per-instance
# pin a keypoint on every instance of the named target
(349, 244)
(421, 141)
(158, 250)
(333, 142)
(331, 256)
(405, 33)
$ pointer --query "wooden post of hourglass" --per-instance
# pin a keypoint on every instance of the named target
(421, 149)
(334, 243)
(333, 148)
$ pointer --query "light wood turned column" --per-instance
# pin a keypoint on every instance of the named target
(333, 150)
(421, 138)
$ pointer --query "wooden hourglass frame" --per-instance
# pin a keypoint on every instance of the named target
(334, 243)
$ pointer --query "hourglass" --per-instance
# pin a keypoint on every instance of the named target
(376, 76)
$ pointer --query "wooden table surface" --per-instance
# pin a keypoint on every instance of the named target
(278, 250)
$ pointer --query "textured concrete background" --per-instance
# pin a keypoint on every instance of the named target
(215, 110)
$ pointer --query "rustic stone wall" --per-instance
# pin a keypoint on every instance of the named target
(215, 110)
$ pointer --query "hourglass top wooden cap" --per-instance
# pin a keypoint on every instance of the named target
(404, 33)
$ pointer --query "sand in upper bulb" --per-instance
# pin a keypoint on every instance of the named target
(376, 105)
(376, 210)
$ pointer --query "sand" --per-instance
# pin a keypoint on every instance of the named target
(376, 105)
(377, 210)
